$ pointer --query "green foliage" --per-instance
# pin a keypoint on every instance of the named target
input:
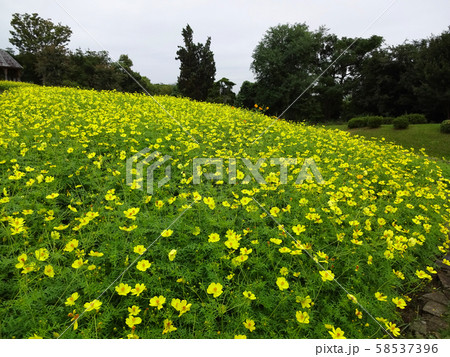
(222, 92)
(400, 123)
(32, 34)
(246, 98)
(445, 127)
(415, 118)
(359, 122)
(375, 121)
(197, 67)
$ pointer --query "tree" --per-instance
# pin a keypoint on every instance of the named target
(246, 97)
(434, 89)
(32, 34)
(288, 61)
(197, 67)
(222, 92)
(42, 47)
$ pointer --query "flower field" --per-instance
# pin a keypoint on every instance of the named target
(84, 255)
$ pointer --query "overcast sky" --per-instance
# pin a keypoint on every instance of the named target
(150, 31)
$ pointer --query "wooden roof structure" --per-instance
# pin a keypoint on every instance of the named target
(11, 68)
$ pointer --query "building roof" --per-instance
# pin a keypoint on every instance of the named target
(7, 61)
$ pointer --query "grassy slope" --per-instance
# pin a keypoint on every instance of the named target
(420, 136)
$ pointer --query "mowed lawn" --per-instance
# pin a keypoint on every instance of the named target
(417, 136)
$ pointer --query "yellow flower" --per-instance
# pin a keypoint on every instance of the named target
(139, 249)
(167, 233)
(22, 259)
(298, 229)
(143, 265)
(71, 299)
(399, 274)
(78, 263)
(95, 254)
(123, 289)
(132, 321)
(358, 314)
(168, 326)
(327, 275)
(393, 328)
(240, 337)
(181, 306)
(128, 229)
(302, 317)
(352, 298)
(213, 237)
(431, 270)
(380, 296)
(157, 301)
(41, 254)
(276, 241)
(422, 275)
(249, 324)
(95, 304)
(138, 289)
(134, 310)
(401, 304)
(48, 270)
(274, 211)
(71, 245)
(249, 295)
(282, 283)
(172, 254)
(446, 262)
(215, 289)
(131, 212)
(52, 196)
(306, 302)
(337, 333)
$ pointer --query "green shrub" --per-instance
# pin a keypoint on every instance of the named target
(374, 122)
(359, 122)
(401, 123)
(445, 126)
(415, 118)
(388, 120)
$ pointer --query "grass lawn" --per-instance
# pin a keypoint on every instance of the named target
(416, 136)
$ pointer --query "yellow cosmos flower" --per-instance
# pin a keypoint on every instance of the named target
(215, 289)
(249, 325)
(306, 302)
(274, 211)
(380, 296)
(139, 249)
(143, 265)
(393, 328)
(138, 289)
(213, 237)
(282, 283)
(168, 326)
(240, 337)
(52, 196)
(326, 275)
(167, 233)
(48, 270)
(131, 212)
(70, 246)
(298, 229)
(71, 299)
(337, 333)
(123, 289)
(22, 260)
(93, 305)
(249, 295)
(78, 263)
(134, 310)
(172, 254)
(422, 275)
(181, 306)
(157, 301)
(41, 254)
(401, 304)
(132, 321)
(302, 317)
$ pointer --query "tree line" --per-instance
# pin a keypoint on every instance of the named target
(319, 76)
